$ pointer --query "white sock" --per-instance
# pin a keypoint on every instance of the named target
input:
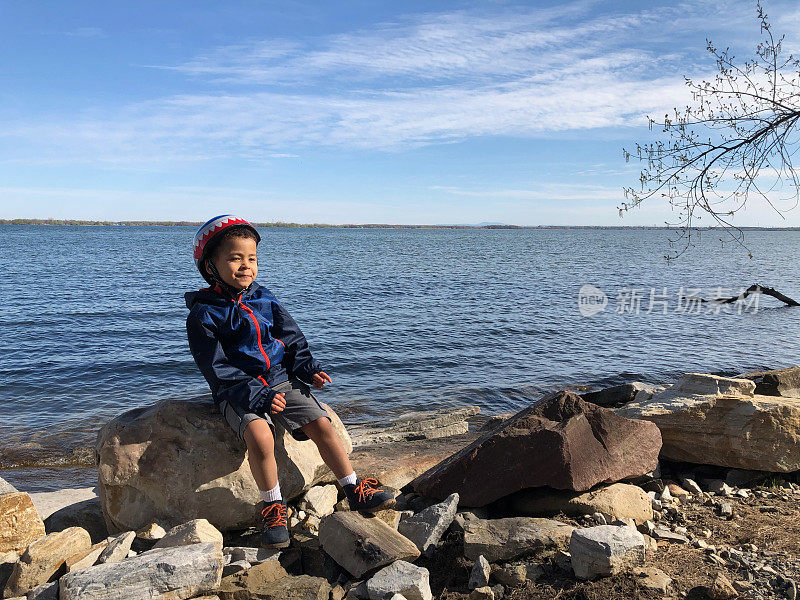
(349, 480)
(271, 495)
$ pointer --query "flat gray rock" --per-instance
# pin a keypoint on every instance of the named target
(505, 539)
(427, 526)
(416, 426)
(605, 550)
(185, 571)
(401, 577)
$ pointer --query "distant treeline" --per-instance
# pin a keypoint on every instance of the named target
(356, 226)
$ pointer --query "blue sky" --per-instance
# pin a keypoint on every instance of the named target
(351, 112)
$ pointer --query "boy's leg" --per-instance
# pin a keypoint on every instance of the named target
(261, 454)
(330, 447)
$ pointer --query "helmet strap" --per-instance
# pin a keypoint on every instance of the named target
(228, 289)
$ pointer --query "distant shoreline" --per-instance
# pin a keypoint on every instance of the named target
(82, 223)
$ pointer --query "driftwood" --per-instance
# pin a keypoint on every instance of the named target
(755, 289)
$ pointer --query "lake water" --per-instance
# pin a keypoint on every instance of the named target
(404, 319)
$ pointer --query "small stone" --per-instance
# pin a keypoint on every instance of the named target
(651, 578)
(722, 589)
(484, 593)
(605, 550)
(726, 509)
(118, 548)
(235, 567)
(427, 527)
(401, 577)
(151, 532)
(599, 519)
(666, 496)
(717, 486)
(479, 576)
(690, 485)
(662, 533)
(191, 532)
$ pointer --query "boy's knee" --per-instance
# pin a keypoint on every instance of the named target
(258, 437)
(317, 427)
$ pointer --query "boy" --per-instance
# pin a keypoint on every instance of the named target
(260, 369)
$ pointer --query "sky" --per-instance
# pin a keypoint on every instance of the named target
(350, 112)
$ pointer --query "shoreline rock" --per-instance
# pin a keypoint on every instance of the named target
(560, 442)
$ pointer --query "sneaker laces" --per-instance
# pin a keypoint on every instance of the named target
(274, 514)
(366, 488)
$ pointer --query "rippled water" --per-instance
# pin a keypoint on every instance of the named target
(93, 321)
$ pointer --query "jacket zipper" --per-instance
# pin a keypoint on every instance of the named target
(258, 333)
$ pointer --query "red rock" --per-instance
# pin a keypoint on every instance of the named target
(560, 441)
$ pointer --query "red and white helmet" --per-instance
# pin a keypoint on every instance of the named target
(209, 231)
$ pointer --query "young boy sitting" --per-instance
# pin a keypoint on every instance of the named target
(260, 369)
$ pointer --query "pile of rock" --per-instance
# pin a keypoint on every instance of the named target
(563, 487)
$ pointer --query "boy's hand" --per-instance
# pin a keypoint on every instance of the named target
(321, 379)
(278, 404)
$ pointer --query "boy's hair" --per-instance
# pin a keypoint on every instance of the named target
(233, 232)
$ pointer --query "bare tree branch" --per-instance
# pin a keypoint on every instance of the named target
(736, 142)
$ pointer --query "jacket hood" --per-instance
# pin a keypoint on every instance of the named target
(216, 298)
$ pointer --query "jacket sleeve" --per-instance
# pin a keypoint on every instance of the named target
(299, 361)
(226, 381)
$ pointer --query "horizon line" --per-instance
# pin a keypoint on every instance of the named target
(288, 224)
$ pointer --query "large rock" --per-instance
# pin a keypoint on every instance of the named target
(618, 501)
(560, 441)
(714, 420)
(505, 539)
(183, 572)
(605, 550)
(429, 424)
(44, 558)
(19, 522)
(360, 544)
(780, 382)
(426, 527)
(178, 460)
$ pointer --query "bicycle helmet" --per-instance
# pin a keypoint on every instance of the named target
(204, 242)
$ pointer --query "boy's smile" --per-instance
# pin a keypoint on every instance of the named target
(236, 261)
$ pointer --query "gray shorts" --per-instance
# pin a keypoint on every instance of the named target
(301, 409)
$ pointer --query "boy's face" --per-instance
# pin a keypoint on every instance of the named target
(236, 261)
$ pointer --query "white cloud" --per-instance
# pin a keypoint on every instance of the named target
(426, 79)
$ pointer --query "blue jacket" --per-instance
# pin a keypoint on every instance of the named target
(245, 345)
